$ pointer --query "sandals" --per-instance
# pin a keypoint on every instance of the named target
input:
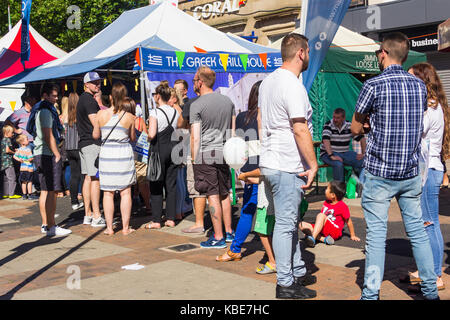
(130, 231)
(266, 269)
(229, 256)
(170, 224)
(149, 226)
(409, 278)
(193, 230)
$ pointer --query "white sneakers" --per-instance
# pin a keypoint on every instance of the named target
(96, 223)
(58, 231)
(87, 220)
(77, 206)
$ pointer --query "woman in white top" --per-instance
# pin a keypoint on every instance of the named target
(435, 145)
(163, 122)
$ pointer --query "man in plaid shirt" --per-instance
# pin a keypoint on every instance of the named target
(394, 103)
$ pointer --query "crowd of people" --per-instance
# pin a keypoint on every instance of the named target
(401, 122)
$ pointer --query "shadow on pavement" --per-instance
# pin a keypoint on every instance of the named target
(25, 247)
(43, 241)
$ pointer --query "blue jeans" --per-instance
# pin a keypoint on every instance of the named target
(429, 203)
(376, 199)
(287, 196)
(244, 226)
(349, 158)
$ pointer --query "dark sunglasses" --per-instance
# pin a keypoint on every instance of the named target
(377, 52)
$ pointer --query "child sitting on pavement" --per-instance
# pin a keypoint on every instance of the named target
(331, 220)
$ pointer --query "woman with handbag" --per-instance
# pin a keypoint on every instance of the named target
(163, 122)
(116, 160)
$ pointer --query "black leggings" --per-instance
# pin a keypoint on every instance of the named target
(169, 183)
(75, 174)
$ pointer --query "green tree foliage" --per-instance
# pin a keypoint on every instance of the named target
(49, 18)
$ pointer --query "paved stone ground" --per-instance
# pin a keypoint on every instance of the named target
(33, 266)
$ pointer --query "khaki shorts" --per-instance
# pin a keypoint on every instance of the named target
(193, 193)
(141, 172)
(88, 155)
(447, 166)
(212, 179)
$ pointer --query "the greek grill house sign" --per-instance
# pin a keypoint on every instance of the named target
(179, 61)
(217, 8)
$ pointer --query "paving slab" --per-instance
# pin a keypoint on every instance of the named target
(156, 282)
(180, 226)
(36, 252)
(4, 221)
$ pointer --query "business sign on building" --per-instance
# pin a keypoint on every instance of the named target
(425, 43)
(217, 8)
(422, 39)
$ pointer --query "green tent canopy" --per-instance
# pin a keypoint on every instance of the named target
(336, 86)
(340, 59)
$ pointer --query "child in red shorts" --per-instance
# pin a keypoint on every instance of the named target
(331, 220)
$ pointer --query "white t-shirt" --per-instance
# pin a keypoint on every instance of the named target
(282, 96)
(433, 132)
(161, 118)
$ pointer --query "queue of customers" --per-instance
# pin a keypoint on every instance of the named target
(100, 143)
(94, 141)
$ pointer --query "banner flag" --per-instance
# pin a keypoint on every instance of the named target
(322, 22)
(25, 33)
(138, 58)
(200, 50)
(263, 57)
(224, 60)
(244, 60)
(13, 105)
(176, 61)
(180, 58)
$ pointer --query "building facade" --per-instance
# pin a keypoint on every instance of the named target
(418, 19)
(263, 21)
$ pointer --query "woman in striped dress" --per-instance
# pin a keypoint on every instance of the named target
(116, 161)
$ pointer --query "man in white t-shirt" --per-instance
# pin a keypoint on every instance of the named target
(288, 162)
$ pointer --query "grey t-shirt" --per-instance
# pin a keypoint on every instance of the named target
(44, 119)
(215, 112)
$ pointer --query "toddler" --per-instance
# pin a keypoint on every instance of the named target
(331, 220)
(24, 155)
(7, 166)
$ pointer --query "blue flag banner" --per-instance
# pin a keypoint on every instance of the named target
(322, 22)
(25, 34)
(189, 62)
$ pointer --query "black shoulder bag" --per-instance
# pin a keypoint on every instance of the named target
(154, 165)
